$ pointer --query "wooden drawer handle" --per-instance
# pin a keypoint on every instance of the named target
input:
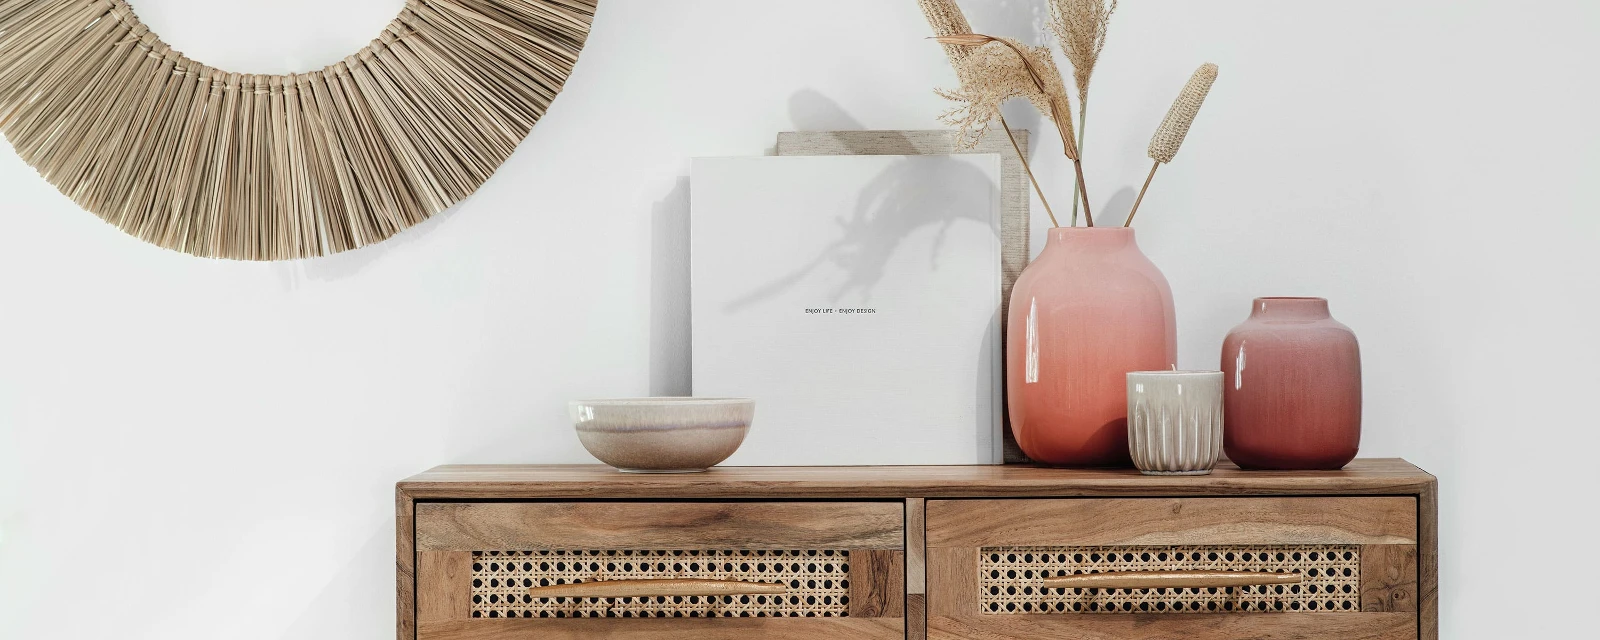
(651, 588)
(1169, 579)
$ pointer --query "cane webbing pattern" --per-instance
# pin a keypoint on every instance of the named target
(1011, 578)
(818, 582)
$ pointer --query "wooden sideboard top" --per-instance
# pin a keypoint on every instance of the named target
(1373, 476)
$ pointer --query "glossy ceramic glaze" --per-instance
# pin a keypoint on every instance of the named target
(1087, 311)
(1292, 387)
(1175, 421)
(662, 435)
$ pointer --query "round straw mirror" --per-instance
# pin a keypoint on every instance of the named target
(276, 167)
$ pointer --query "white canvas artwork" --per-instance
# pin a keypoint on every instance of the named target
(856, 299)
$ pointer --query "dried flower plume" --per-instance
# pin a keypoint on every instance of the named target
(993, 70)
(1164, 144)
(1080, 25)
(999, 69)
(947, 20)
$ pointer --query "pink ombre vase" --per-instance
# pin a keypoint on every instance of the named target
(1090, 309)
(1291, 387)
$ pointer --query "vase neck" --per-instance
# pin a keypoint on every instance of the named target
(1091, 239)
(1290, 309)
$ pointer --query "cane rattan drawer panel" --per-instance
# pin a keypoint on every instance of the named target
(1201, 568)
(818, 583)
(493, 570)
(1013, 579)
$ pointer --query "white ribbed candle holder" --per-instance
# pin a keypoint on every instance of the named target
(1175, 421)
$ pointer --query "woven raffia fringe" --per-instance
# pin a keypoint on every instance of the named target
(257, 167)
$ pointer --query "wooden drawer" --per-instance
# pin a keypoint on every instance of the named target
(988, 562)
(840, 566)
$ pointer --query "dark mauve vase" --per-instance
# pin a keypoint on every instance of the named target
(1291, 388)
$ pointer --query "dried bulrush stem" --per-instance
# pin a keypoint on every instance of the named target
(1164, 144)
(1080, 27)
(999, 69)
(1169, 136)
(947, 20)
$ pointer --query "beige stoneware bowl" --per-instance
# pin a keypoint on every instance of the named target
(662, 435)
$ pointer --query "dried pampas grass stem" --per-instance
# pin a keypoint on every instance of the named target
(1029, 170)
(998, 69)
(256, 167)
(947, 19)
(1080, 27)
(1175, 127)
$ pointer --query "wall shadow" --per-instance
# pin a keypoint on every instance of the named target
(990, 394)
(810, 110)
(886, 211)
(894, 205)
(671, 352)
(1027, 21)
(1116, 208)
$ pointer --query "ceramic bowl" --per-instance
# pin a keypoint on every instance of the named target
(662, 435)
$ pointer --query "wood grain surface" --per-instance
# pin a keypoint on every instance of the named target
(1389, 578)
(952, 582)
(916, 546)
(667, 629)
(1188, 626)
(1428, 559)
(445, 578)
(877, 584)
(1172, 521)
(916, 616)
(405, 559)
(916, 569)
(576, 482)
(480, 526)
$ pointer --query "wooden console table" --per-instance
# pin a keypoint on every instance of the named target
(581, 551)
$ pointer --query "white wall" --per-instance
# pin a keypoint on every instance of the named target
(203, 449)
